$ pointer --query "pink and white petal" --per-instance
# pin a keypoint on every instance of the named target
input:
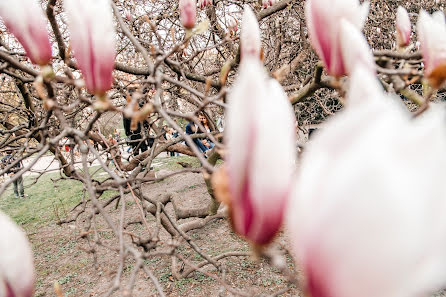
(30, 30)
(273, 161)
(16, 259)
(355, 49)
(319, 29)
(242, 99)
(250, 34)
(403, 26)
(363, 86)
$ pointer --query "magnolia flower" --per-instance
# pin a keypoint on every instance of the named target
(432, 36)
(188, 13)
(259, 170)
(250, 35)
(403, 27)
(323, 22)
(25, 19)
(93, 41)
(355, 49)
(367, 217)
(203, 3)
(267, 3)
(16, 261)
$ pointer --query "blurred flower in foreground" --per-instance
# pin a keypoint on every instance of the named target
(250, 44)
(355, 49)
(403, 27)
(16, 261)
(260, 139)
(432, 36)
(188, 13)
(267, 3)
(324, 21)
(367, 218)
(25, 19)
(203, 3)
(93, 36)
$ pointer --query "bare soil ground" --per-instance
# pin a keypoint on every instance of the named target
(60, 255)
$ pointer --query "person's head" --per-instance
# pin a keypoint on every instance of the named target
(202, 118)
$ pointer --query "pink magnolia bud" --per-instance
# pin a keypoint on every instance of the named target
(323, 22)
(355, 49)
(432, 36)
(93, 41)
(232, 25)
(16, 261)
(403, 27)
(250, 36)
(267, 3)
(260, 139)
(25, 19)
(128, 15)
(203, 3)
(367, 218)
(188, 13)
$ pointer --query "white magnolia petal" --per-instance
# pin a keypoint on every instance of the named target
(250, 35)
(355, 49)
(93, 41)
(364, 85)
(403, 26)
(323, 22)
(242, 97)
(369, 218)
(25, 19)
(273, 159)
(16, 259)
(260, 165)
(364, 12)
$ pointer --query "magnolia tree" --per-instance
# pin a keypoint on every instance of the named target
(362, 203)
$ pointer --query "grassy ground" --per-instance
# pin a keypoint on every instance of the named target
(50, 192)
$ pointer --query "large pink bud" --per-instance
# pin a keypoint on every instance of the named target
(250, 44)
(93, 37)
(16, 261)
(188, 13)
(261, 153)
(432, 36)
(25, 19)
(324, 21)
(403, 27)
(367, 218)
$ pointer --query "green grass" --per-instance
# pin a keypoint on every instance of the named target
(50, 198)
(171, 163)
(47, 199)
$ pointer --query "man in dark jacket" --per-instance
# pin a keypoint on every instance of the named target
(137, 141)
